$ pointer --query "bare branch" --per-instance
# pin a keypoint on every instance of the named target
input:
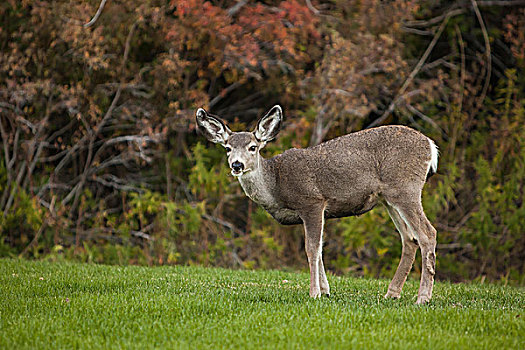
(51, 186)
(417, 31)
(97, 14)
(312, 8)
(341, 92)
(488, 54)
(502, 3)
(28, 123)
(60, 132)
(414, 72)
(435, 20)
(15, 147)
(439, 62)
(32, 166)
(3, 133)
(11, 107)
(91, 137)
(131, 138)
(236, 8)
(143, 235)
(317, 131)
(70, 152)
(21, 173)
(459, 11)
(127, 47)
(118, 160)
(424, 117)
(452, 246)
(71, 194)
(36, 154)
(8, 164)
(80, 185)
(226, 91)
(109, 180)
(463, 67)
(223, 223)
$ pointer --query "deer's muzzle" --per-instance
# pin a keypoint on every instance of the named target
(237, 168)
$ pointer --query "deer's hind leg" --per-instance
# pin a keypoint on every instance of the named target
(412, 214)
(407, 256)
(323, 281)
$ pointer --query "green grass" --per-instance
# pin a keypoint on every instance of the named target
(64, 305)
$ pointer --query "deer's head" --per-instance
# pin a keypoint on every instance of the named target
(243, 147)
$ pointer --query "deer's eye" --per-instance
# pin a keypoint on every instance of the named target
(228, 149)
(252, 149)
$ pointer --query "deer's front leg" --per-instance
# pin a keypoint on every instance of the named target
(313, 232)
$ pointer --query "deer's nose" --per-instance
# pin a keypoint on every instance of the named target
(237, 166)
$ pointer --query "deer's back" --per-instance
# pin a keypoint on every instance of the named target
(350, 172)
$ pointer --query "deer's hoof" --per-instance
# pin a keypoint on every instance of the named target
(392, 295)
(422, 299)
(315, 294)
(325, 290)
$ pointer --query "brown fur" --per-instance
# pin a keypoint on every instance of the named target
(342, 177)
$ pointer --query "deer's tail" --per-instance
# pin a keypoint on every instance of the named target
(433, 163)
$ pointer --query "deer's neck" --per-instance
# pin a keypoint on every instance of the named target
(257, 184)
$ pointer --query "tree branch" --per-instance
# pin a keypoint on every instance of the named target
(312, 8)
(226, 91)
(97, 14)
(3, 133)
(435, 20)
(488, 54)
(414, 72)
(236, 8)
(223, 223)
(502, 3)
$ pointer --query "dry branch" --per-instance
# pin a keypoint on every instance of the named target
(21, 173)
(414, 72)
(421, 115)
(236, 8)
(97, 14)
(502, 3)
(224, 223)
(463, 67)
(8, 164)
(92, 135)
(435, 20)
(311, 7)
(488, 54)
(5, 139)
(225, 92)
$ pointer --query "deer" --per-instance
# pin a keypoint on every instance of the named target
(345, 176)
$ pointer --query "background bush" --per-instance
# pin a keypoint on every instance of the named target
(101, 161)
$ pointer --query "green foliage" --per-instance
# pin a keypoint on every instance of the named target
(208, 177)
(20, 224)
(369, 241)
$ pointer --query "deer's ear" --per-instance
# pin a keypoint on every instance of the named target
(269, 125)
(213, 128)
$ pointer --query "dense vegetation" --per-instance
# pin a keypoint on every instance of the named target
(101, 162)
(63, 305)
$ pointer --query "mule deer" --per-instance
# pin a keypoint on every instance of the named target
(342, 177)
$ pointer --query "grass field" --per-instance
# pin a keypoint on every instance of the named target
(63, 305)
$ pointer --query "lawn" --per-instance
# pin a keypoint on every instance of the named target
(65, 305)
